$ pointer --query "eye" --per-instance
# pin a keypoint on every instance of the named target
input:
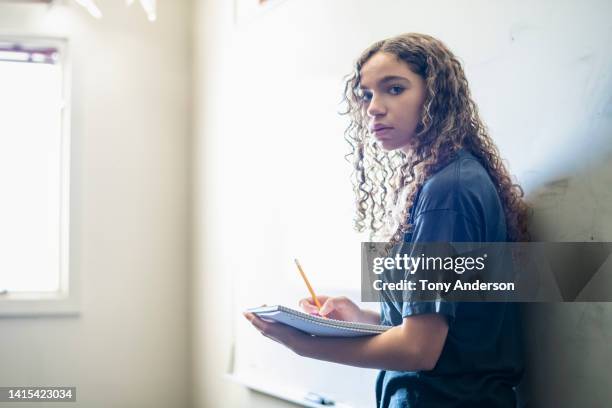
(396, 90)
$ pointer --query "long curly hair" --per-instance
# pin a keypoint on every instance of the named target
(449, 121)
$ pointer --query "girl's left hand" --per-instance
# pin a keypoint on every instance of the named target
(281, 333)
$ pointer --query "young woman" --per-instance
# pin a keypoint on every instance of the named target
(426, 170)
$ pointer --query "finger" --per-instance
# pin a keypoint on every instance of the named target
(328, 307)
(268, 330)
(255, 321)
(305, 302)
(259, 323)
(310, 302)
(307, 306)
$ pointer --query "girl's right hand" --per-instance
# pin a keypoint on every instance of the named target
(338, 308)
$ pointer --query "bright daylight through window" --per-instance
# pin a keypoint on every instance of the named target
(34, 158)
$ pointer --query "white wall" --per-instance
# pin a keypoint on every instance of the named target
(538, 70)
(130, 210)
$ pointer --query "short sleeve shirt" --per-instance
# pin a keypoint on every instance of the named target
(481, 361)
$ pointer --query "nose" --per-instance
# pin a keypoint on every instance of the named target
(375, 107)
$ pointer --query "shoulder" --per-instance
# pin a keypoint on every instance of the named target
(463, 186)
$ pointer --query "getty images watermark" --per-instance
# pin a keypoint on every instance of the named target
(498, 271)
(412, 264)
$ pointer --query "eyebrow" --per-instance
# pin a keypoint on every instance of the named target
(386, 79)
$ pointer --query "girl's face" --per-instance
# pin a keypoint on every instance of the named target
(392, 98)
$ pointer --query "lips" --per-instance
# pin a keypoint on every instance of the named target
(381, 130)
(379, 126)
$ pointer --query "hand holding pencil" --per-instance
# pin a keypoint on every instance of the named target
(338, 308)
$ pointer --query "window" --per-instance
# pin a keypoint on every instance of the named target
(34, 179)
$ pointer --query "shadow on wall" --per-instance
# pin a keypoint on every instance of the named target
(569, 345)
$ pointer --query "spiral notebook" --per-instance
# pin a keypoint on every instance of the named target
(316, 325)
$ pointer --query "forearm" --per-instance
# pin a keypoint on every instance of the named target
(386, 351)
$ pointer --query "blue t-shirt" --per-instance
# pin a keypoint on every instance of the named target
(481, 361)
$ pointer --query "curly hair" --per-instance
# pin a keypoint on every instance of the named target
(449, 121)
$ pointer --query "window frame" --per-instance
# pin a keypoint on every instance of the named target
(65, 301)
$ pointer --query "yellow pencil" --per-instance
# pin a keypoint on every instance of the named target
(314, 297)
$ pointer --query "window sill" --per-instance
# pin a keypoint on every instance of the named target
(38, 305)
